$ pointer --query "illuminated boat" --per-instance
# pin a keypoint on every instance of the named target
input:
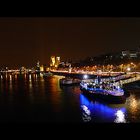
(103, 91)
(69, 81)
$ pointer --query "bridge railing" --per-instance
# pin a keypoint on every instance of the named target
(130, 80)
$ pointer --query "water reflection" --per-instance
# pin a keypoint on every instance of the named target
(10, 78)
(35, 92)
(133, 107)
(98, 112)
(120, 117)
(1, 77)
(6, 75)
(86, 114)
(25, 76)
(15, 76)
(30, 78)
(30, 84)
(133, 104)
(56, 94)
(11, 85)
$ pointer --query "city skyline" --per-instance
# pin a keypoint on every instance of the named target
(24, 41)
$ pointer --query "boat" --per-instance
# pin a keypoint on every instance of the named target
(47, 74)
(69, 81)
(104, 91)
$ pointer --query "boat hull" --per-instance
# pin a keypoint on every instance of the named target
(101, 97)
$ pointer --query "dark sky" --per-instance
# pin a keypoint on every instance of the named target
(23, 41)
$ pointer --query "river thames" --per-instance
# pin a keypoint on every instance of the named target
(33, 98)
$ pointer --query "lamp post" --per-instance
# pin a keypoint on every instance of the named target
(128, 69)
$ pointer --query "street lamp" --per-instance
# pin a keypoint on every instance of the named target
(128, 69)
(85, 76)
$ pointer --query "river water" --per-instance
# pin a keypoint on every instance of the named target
(34, 98)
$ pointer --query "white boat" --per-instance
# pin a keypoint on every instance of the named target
(69, 81)
(104, 91)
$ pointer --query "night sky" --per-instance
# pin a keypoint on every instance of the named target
(23, 41)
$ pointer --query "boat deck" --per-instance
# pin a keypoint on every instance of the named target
(119, 92)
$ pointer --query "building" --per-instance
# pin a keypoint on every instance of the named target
(133, 54)
(52, 63)
(130, 53)
(125, 53)
(41, 68)
(38, 66)
(57, 61)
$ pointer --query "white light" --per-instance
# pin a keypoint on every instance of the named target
(30, 78)
(120, 117)
(118, 87)
(86, 114)
(85, 76)
(128, 69)
(84, 107)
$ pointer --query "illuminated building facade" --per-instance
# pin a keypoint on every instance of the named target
(38, 66)
(131, 53)
(52, 63)
(41, 68)
(55, 61)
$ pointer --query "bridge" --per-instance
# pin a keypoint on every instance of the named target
(82, 73)
(128, 80)
(119, 78)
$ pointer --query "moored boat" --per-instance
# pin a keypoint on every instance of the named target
(69, 81)
(47, 74)
(103, 91)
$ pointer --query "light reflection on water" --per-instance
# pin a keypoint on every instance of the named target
(99, 112)
(34, 93)
(133, 107)
(120, 117)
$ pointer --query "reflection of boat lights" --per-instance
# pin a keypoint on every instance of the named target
(86, 118)
(120, 117)
(86, 114)
(87, 111)
(102, 111)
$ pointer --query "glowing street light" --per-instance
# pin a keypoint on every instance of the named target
(85, 76)
(128, 69)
